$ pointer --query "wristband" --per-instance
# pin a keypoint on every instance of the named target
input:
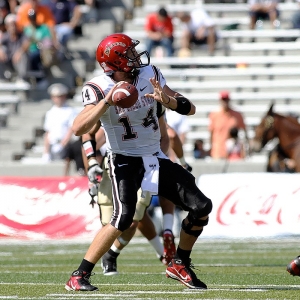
(89, 148)
(183, 105)
(92, 162)
(106, 103)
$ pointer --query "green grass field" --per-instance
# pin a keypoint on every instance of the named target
(232, 269)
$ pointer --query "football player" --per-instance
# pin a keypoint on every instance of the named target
(135, 157)
(141, 218)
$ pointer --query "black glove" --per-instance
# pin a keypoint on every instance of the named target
(93, 191)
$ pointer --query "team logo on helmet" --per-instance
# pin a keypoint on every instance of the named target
(109, 47)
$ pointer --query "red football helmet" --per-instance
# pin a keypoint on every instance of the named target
(117, 53)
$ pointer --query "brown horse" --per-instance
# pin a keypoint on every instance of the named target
(285, 128)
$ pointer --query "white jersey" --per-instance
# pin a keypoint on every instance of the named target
(130, 131)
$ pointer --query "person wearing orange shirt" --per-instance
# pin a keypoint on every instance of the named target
(220, 123)
(43, 16)
(159, 29)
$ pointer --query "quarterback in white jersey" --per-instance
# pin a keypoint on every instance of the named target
(130, 131)
(135, 158)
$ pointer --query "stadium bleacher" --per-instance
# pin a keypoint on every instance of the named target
(253, 78)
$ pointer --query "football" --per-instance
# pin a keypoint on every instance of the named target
(125, 95)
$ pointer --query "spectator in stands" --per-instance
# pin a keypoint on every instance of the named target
(4, 11)
(197, 28)
(235, 148)
(199, 151)
(296, 17)
(10, 5)
(13, 47)
(263, 10)
(220, 123)
(92, 12)
(40, 39)
(58, 124)
(67, 16)
(159, 30)
(44, 16)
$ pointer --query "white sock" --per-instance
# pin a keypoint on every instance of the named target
(182, 161)
(168, 220)
(115, 249)
(157, 245)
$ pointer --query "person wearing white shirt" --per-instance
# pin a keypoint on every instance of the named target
(263, 10)
(197, 28)
(58, 123)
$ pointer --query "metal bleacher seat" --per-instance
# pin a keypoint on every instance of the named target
(224, 36)
(218, 9)
(224, 73)
(4, 113)
(225, 61)
(246, 97)
(10, 101)
(236, 85)
(13, 88)
(266, 48)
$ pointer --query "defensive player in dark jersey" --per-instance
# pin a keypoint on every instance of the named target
(135, 157)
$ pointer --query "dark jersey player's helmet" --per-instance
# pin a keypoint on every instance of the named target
(117, 52)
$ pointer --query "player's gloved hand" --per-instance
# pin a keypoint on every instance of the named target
(93, 191)
(94, 171)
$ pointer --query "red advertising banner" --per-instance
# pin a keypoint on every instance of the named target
(244, 205)
(51, 208)
(253, 204)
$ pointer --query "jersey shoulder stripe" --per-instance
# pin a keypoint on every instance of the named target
(97, 89)
(156, 74)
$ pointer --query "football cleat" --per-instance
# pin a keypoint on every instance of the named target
(294, 267)
(109, 265)
(163, 260)
(80, 281)
(183, 272)
(169, 246)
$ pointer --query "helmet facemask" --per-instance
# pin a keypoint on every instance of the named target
(132, 58)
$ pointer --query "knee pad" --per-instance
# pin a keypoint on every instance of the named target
(141, 206)
(105, 213)
(192, 221)
(204, 210)
(105, 190)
